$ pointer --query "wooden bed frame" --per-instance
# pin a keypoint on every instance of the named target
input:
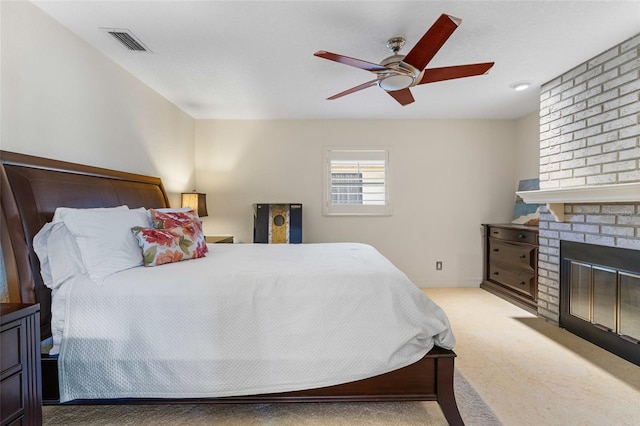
(33, 187)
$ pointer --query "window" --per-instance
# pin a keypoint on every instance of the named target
(356, 181)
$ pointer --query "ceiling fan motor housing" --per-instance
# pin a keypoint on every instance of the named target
(398, 75)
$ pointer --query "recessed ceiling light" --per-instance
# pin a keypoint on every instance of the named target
(520, 85)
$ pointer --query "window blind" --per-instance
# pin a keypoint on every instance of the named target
(357, 181)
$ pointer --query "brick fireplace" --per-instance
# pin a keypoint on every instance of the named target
(589, 138)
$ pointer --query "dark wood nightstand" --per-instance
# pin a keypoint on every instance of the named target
(20, 381)
(219, 239)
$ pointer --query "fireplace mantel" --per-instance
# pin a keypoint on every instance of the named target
(555, 199)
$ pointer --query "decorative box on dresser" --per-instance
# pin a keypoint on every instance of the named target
(20, 381)
(511, 263)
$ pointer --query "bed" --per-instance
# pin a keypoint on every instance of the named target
(33, 188)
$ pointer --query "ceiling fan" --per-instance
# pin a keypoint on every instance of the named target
(397, 73)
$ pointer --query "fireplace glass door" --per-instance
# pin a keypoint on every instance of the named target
(630, 307)
(580, 287)
(605, 298)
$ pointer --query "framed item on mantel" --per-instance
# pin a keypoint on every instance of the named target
(523, 213)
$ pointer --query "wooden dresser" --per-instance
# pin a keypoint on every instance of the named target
(20, 381)
(511, 263)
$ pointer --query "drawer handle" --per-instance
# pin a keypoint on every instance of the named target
(523, 256)
(496, 273)
(496, 249)
(522, 283)
(521, 236)
(496, 232)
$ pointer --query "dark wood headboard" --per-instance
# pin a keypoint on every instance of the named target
(31, 190)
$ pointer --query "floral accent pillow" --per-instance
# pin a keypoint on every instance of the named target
(160, 246)
(171, 219)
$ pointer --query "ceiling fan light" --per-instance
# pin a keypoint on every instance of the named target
(396, 82)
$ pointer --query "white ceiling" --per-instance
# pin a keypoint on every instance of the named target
(254, 59)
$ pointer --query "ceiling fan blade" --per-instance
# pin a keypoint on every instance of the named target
(457, 71)
(354, 89)
(358, 63)
(404, 96)
(432, 41)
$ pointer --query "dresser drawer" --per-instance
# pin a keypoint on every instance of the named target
(521, 256)
(517, 235)
(517, 279)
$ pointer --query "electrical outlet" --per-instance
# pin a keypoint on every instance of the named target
(439, 265)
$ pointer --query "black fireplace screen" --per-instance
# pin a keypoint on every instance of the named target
(600, 296)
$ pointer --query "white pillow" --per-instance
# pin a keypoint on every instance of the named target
(106, 242)
(65, 259)
(61, 212)
(59, 255)
(40, 247)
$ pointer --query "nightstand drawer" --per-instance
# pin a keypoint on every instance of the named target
(517, 235)
(12, 402)
(521, 256)
(11, 356)
(20, 385)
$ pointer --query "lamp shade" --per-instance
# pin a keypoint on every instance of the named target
(196, 201)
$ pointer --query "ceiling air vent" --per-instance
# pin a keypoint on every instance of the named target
(126, 38)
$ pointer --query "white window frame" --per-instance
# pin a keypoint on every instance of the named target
(355, 154)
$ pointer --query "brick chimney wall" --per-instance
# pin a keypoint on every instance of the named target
(589, 135)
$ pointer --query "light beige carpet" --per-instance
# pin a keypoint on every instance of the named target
(473, 409)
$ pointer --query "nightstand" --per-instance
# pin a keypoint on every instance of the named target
(219, 239)
(20, 380)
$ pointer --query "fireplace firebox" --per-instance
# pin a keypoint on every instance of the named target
(600, 296)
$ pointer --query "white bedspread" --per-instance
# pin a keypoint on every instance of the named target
(246, 319)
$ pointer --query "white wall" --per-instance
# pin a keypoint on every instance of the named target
(527, 154)
(447, 177)
(63, 99)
